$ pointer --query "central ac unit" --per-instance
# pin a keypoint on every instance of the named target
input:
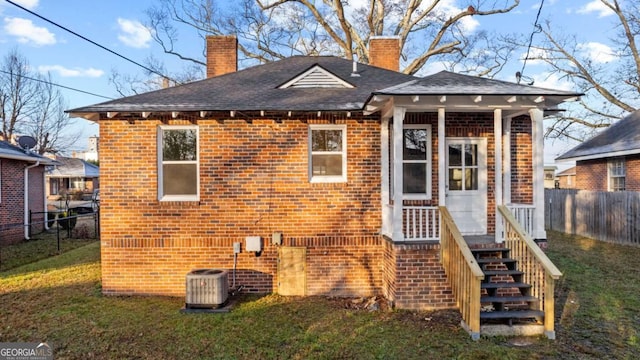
(206, 288)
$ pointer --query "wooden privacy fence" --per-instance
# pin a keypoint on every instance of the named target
(607, 216)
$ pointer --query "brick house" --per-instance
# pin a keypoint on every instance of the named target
(71, 175)
(340, 165)
(566, 179)
(21, 190)
(610, 161)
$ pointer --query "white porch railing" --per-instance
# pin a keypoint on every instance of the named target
(421, 223)
(524, 214)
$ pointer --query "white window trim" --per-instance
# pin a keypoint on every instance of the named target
(610, 175)
(327, 178)
(429, 160)
(161, 196)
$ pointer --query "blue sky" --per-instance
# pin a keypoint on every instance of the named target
(117, 25)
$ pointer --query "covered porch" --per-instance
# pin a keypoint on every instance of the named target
(462, 157)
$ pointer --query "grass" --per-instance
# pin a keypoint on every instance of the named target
(45, 244)
(58, 300)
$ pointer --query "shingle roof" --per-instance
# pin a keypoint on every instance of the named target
(449, 83)
(256, 88)
(72, 167)
(621, 138)
(9, 151)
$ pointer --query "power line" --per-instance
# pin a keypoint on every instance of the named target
(536, 29)
(58, 85)
(91, 41)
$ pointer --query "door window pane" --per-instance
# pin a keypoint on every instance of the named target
(471, 155)
(455, 157)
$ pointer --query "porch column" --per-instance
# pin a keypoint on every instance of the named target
(506, 166)
(387, 216)
(398, 145)
(497, 137)
(537, 126)
(442, 165)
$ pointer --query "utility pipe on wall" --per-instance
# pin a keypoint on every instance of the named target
(26, 198)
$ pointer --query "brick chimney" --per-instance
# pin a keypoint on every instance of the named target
(384, 52)
(222, 55)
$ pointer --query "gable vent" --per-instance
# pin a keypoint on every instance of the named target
(316, 77)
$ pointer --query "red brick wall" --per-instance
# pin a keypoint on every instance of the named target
(593, 174)
(385, 53)
(12, 199)
(414, 277)
(521, 161)
(254, 181)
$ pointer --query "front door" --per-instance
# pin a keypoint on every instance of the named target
(466, 184)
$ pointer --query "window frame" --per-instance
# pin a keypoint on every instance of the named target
(164, 197)
(428, 195)
(327, 178)
(611, 164)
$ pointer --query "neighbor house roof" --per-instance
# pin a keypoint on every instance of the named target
(10, 151)
(72, 167)
(261, 88)
(621, 138)
(567, 172)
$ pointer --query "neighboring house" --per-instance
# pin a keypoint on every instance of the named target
(72, 176)
(567, 178)
(337, 167)
(21, 191)
(550, 176)
(610, 161)
(91, 153)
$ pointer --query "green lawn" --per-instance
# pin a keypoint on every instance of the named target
(58, 300)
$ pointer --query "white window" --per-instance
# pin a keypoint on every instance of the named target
(617, 174)
(416, 162)
(327, 153)
(178, 167)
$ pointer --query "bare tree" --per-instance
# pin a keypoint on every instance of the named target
(31, 105)
(610, 80)
(48, 124)
(269, 30)
(17, 93)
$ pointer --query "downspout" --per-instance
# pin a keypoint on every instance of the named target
(26, 198)
(44, 200)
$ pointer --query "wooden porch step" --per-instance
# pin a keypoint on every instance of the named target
(490, 250)
(513, 314)
(516, 275)
(496, 260)
(503, 272)
(508, 299)
(505, 285)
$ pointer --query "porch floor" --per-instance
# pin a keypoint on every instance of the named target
(480, 240)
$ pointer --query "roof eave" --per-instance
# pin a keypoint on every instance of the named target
(608, 154)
